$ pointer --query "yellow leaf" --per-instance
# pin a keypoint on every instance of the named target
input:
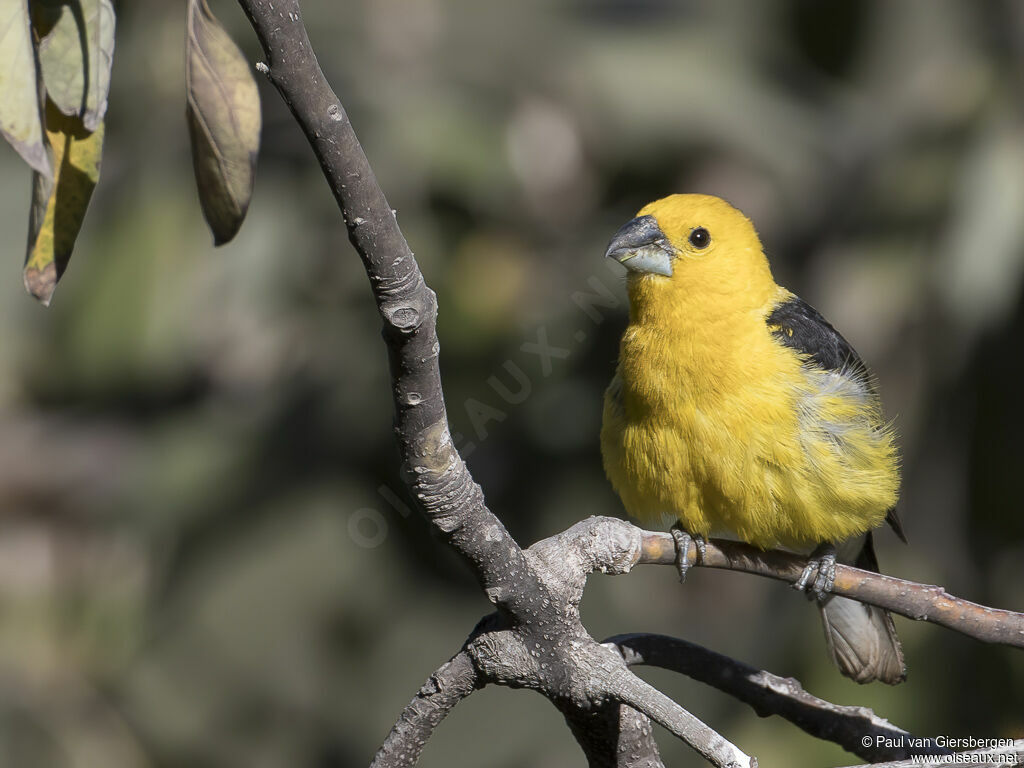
(59, 204)
(224, 121)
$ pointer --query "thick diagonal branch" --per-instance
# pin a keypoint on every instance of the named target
(435, 472)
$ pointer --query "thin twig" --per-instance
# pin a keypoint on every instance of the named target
(768, 694)
(921, 602)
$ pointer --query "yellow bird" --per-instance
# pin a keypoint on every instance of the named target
(737, 409)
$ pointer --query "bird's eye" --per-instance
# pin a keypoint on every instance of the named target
(700, 238)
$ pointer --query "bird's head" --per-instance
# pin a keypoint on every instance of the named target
(694, 252)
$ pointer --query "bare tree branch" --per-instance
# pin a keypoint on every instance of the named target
(536, 639)
(645, 698)
(596, 676)
(454, 681)
(436, 474)
(995, 757)
(614, 736)
(769, 694)
(921, 602)
(544, 646)
(516, 656)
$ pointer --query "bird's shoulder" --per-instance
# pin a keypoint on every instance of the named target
(797, 325)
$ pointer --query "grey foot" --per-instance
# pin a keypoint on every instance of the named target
(823, 563)
(683, 539)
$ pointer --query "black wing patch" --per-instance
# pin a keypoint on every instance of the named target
(800, 326)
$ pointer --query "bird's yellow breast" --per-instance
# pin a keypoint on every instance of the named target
(716, 423)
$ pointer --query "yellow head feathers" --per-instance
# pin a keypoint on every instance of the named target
(695, 253)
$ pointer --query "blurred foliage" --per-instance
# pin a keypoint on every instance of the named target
(194, 441)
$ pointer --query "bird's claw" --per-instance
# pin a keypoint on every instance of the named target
(822, 562)
(683, 539)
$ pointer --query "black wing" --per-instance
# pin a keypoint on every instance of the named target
(799, 326)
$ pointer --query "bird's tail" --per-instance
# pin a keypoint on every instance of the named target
(861, 638)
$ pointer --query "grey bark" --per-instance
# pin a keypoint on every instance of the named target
(614, 736)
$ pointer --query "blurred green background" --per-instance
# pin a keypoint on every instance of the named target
(198, 564)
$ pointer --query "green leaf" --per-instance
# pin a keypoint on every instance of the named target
(223, 114)
(20, 109)
(59, 204)
(76, 50)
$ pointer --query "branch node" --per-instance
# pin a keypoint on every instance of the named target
(401, 316)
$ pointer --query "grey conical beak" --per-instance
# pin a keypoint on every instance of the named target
(641, 246)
